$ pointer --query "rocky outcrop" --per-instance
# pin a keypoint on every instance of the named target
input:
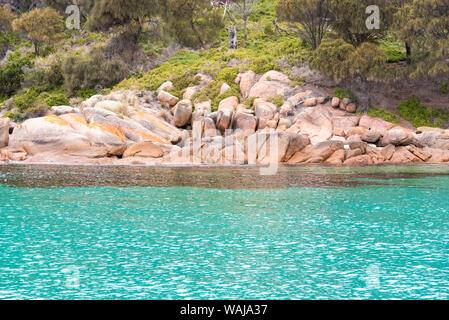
(361, 160)
(60, 110)
(371, 136)
(224, 88)
(229, 103)
(182, 113)
(50, 134)
(337, 158)
(271, 84)
(246, 81)
(276, 76)
(144, 150)
(316, 123)
(265, 148)
(264, 110)
(167, 99)
(142, 127)
(399, 137)
(437, 139)
(377, 124)
(245, 122)
(317, 153)
(345, 122)
(224, 119)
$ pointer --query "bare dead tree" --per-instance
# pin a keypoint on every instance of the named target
(232, 32)
(276, 28)
(245, 9)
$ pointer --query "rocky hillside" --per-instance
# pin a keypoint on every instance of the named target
(146, 127)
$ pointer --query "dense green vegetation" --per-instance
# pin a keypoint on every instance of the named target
(383, 114)
(123, 45)
(420, 116)
(345, 93)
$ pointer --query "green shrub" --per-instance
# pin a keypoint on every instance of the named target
(420, 116)
(26, 100)
(383, 114)
(180, 69)
(44, 78)
(32, 103)
(11, 73)
(346, 93)
(249, 103)
(290, 49)
(54, 99)
(228, 75)
(277, 100)
(445, 87)
(10, 115)
(367, 61)
(395, 51)
(268, 29)
(182, 81)
(259, 57)
(330, 58)
(212, 92)
(86, 93)
(262, 64)
(92, 71)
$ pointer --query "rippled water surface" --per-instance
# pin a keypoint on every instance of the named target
(210, 233)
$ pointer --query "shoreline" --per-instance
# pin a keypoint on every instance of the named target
(224, 166)
(210, 177)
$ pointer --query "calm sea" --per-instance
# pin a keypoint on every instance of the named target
(74, 232)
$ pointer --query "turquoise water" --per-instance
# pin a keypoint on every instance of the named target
(375, 239)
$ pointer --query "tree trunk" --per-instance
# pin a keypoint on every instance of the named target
(408, 49)
(198, 35)
(276, 29)
(36, 48)
(245, 30)
(232, 37)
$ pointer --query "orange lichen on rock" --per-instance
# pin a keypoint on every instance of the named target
(56, 120)
(110, 129)
(148, 137)
(78, 119)
(154, 120)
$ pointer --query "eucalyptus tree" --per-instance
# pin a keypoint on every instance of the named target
(313, 16)
(194, 23)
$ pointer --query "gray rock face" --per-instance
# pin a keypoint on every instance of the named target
(60, 110)
(371, 136)
(434, 139)
(167, 99)
(398, 137)
(245, 122)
